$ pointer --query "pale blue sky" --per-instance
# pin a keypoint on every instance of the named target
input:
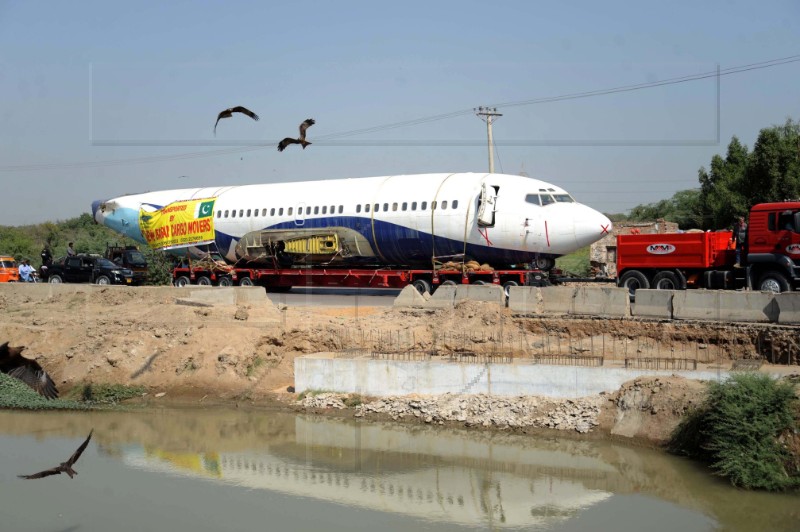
(79, 80)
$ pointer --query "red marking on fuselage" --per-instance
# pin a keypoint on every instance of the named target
(546, 233)
(486, 236)
(604, 229)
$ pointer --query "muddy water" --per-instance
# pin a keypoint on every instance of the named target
(228, 469)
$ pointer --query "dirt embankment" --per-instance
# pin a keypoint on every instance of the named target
(147, 336)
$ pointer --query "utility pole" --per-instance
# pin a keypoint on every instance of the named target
(487, 114)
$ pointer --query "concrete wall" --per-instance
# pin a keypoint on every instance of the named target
(724, 305)
(389, 377)
(448, 296)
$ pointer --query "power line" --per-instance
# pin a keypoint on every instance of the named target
(424, 120)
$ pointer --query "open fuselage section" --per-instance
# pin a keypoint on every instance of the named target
(498, 219)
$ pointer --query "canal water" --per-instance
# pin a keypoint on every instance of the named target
(223, 469)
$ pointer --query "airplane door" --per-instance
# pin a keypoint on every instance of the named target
(299, 217)
(486, 206)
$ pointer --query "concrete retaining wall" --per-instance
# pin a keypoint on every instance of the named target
(653, 304)
(383, 378)
(788, 308)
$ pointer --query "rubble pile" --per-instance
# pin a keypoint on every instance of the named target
(579, 415)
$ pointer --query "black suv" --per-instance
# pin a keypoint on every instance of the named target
(86, 269)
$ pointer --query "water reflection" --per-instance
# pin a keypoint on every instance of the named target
(449, 477)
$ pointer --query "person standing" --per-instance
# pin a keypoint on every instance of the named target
(47, 257)
(70, 250)
(740, 237)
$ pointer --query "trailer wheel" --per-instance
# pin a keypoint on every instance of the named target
(245, 281)
(203, 281)
(507, 286)
(545, 263)
(422, 286)
(225, 281)
(182, 281)
(633, 280)
(448, 282)
(666, 281)
(480, 283)
(773, 281)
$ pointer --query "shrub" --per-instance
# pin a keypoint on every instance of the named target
(739, 430)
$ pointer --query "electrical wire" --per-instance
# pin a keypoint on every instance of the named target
(417, 121)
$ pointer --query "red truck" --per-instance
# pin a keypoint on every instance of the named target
(676, 261)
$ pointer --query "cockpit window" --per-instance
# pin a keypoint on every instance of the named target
(547, 199)
(564, 198)
(532, 198)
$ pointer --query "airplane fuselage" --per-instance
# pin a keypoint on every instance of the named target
(397, 220)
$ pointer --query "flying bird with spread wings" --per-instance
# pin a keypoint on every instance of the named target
(63, 467)
(227, 113)
(301, 139)
(28, 371)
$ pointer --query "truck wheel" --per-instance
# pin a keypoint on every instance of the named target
(449, 282)
(204, 281)
(545, 263)
(55, 279)
(102, 279)
(225, 281)
(245, 281)
(666, 281)
(479, 283)
(633, 280)
(422, 286)
(773, 281)
(182, 281)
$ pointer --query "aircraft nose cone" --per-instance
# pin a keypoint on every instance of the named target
(95, 207)
(591, 226)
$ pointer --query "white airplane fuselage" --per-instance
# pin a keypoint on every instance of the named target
(406, 220)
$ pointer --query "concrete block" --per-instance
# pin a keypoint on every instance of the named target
(492, 293)
(722, 305)
(443, 297)
(525, 300)
(653, 304)
(788, 307)
(608, 301)
(558, 299)
(409, 297)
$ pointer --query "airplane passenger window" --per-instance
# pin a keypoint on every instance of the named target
(394, 207)
(289, 211)
(413, 205)
(455, 204)
(358, 208)
(333, 209)
(264, 211)
(532, 198)
(219, 214)
(564, 198)
(272, 211)
(366, 207)
(308, 210)
(341, 209)
(233, 214)
(248, 213)
(433, 205)
(241, 213)
(377, 207)
(547, 199)
(316, 210)
(424, 206)
(324, 209)
(385, 207)
(405, 206)
(444, 204)
(226, 214)
(280, 211)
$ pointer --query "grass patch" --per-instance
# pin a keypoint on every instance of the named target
(106, 394)
(744, 430)
(14, 394)
(256, 363)
(576, 263)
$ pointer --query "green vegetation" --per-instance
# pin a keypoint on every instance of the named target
(733, 184)
(745, 430)
(15, 394)
(576, 263)
(253, 366)
(107, 394)
(26, 242)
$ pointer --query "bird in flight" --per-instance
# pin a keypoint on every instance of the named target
(227, 113)
(28, 371)
(63, 467)
(301, 139)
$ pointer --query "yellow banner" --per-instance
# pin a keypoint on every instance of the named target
(179, 224)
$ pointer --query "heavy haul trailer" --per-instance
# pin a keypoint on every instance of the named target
(283, 279)
(770, 259)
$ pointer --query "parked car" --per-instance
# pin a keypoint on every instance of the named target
(87, 269)
(9, 271)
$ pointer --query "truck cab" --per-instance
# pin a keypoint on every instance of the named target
(131, 258)
(773, 245)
